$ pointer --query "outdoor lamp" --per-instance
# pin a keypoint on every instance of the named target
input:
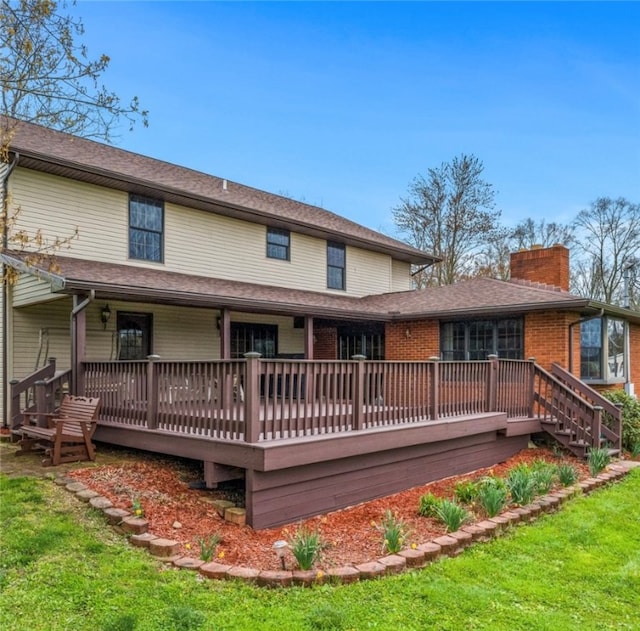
(105, 314)
(280, 547)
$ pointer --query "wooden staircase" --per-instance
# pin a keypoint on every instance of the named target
(577, 416)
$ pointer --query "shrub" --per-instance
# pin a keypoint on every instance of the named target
(492, 497)
(598, 459)
(429, 504)
(306, 546)
(394, 532)
(630, 418)
(567, 474)
(522, 484)
(452, 514)
(466, 491)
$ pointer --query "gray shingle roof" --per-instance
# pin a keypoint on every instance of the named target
(476, 297)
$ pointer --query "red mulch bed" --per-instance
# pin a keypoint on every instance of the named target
(163, 488)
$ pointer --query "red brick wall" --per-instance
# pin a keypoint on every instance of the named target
(542, 265)
(326, 343)
(546, 337)
(411, 341)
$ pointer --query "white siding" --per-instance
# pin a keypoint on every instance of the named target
(290, 340)
(196, 242)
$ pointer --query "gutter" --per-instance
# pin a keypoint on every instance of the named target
(5, 292)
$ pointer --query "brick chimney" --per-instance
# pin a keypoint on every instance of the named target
(542, 265)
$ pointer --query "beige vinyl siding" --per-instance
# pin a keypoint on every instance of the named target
(31, 290)
(195, 242)
(400, 276)
(40, 332)
(58, 206)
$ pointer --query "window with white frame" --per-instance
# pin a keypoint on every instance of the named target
(602, 350)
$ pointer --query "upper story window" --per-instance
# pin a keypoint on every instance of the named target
(336, 265)
(602, 350)
(278, 244)
(146, 228)
(477, 339)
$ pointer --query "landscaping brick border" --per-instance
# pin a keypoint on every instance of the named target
(448, 545)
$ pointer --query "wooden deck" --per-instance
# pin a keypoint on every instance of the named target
(313, 436)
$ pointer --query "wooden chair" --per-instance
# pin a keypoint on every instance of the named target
(68, 437)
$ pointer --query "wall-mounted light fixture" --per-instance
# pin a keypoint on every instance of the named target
(407, 333)
(218, 322)
(105, 314)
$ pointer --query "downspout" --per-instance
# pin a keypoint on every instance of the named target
(5, 292)
(580, 321)
(81, 306)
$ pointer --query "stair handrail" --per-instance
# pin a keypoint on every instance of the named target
(587, 427)
(614, 410)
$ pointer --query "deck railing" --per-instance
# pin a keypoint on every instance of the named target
(41, 391)
(260, 399)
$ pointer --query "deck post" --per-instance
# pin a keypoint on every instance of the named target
(41, 402)
(358, 392)
(597, 426)
(532, 385)
(152, 392)
(252, 399)
(492, 384)
(434, 386)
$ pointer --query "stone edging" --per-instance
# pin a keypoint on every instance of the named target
(448, 545)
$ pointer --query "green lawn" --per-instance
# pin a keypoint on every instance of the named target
(62, 568)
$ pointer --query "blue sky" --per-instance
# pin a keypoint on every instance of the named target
(343, 104)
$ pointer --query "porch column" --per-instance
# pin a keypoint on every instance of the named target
(308, 337)
(225, 334)
(78, 344)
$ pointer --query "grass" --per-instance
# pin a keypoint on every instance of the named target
(62, 568)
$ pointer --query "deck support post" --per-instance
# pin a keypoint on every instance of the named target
(152, 392)
(434, 386)
(597, 426)
(252, 399)
(532, 385)
(358, 392)
(41, 402)
(492, 384)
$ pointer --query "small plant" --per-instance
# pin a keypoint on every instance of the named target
(466, 491)
(122, 622)
(306, 546)
(429, 504)
(208, 546)
(326, 618)
(136, 507)
(394, 532)
(522, 484)
(492, 497)
(452, 514)
(567, 474)
(598, 459)
(544, 475)
(186, 619)
(634, 449)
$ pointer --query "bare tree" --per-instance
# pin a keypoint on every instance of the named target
(608, 246)
(529, 233)
(449, 213)
(48, 79)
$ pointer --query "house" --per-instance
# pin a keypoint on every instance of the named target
(176, 275)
